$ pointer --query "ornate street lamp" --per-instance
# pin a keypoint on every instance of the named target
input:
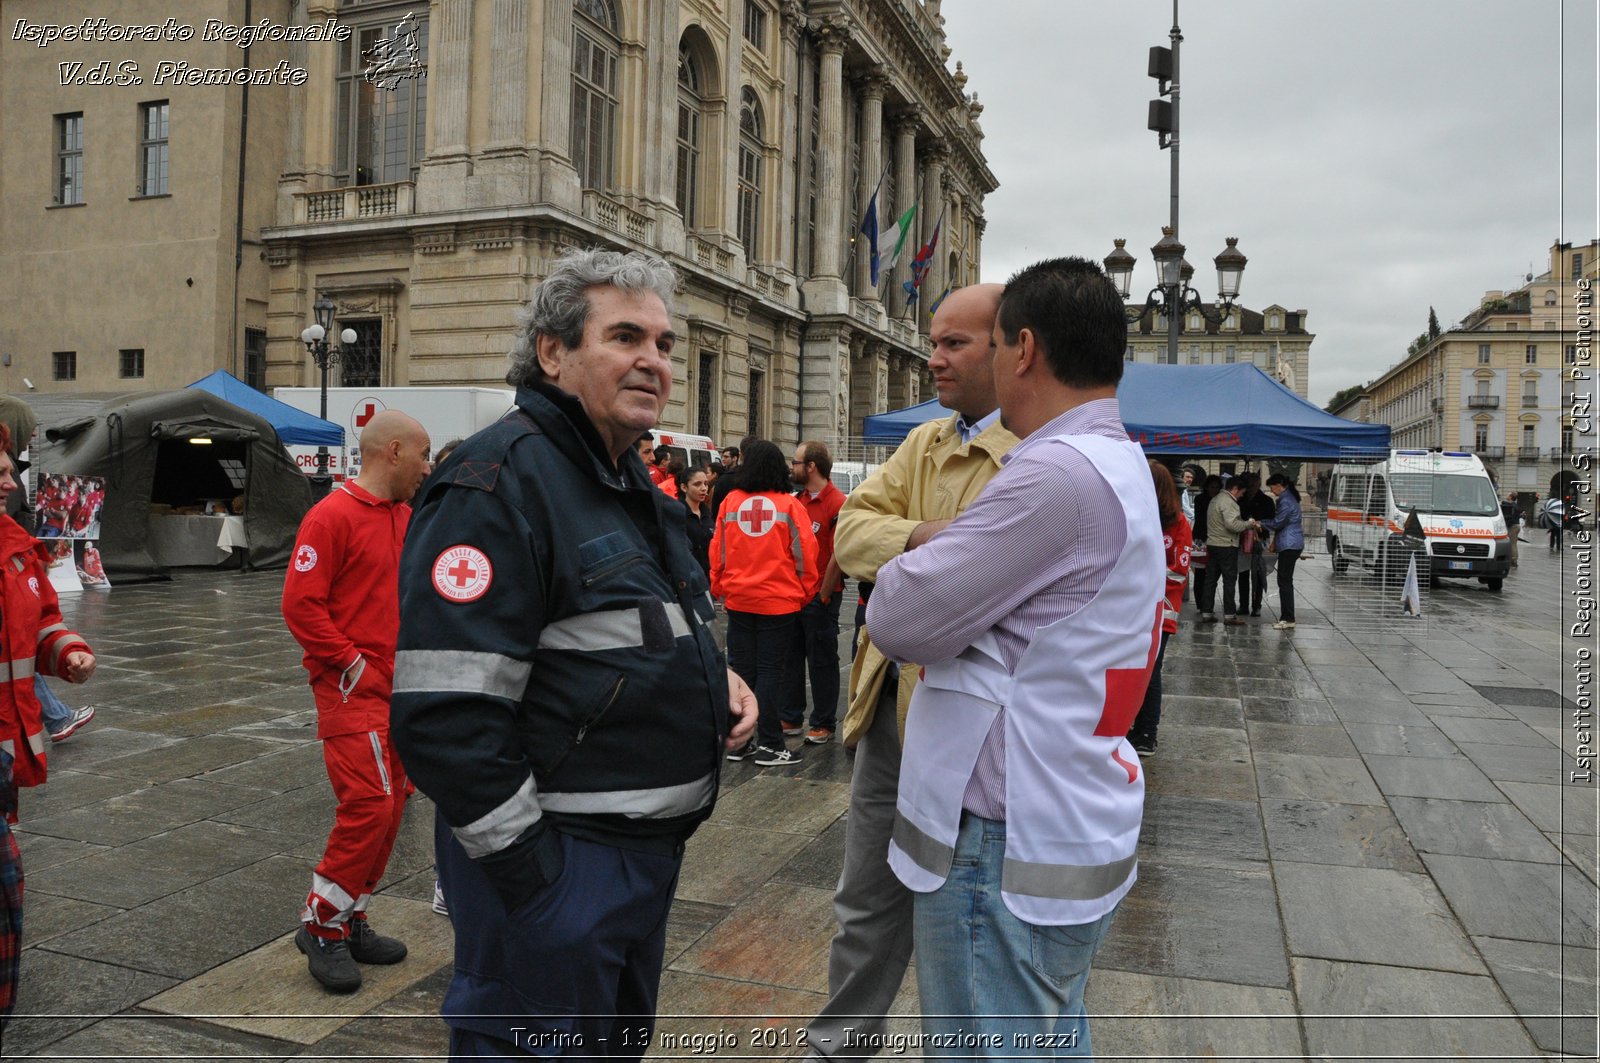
(314, 336)
(1172, 293)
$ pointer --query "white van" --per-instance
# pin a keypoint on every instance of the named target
(446, 412)
(693, 449)
(1370, 510)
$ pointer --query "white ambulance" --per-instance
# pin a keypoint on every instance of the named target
(1463, 535)
(446, 412)
(693, 449)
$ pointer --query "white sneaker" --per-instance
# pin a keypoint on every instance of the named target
(79, 717)
(438, 899)
(1283, 625)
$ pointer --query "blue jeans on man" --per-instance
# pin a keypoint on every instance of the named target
(55, 712)
(985, 976)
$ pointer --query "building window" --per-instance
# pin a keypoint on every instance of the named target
(131, 365)
(596, 43)
(705, 393)
(1527, 435)
(758, 389)
(255, 358)
(1577, 265)
(361, 364)
(1194, 355)
(1480, 437)
(1532, 355)
(1511, 326)
(1530, 392)
(65, 365)
(1483, 386)
(689, 111)
(1550, 297)
(69, 160)
(1483, 354)
(1566, 439)
(755, 24)
(750, 132)
(153, 149)
(381, 129)
(1571, 356)
(1230, 354)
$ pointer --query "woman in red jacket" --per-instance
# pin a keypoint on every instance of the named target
(764, 568)
(33, 638)
(1178, 538)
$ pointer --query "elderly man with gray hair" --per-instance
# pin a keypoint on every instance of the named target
(558, 692)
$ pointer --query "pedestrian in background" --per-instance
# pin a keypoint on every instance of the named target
(819, 618)
(764, 568)
(701, 522)
(34, 639)
(1256, 505)
(341, 603)
(1508, 510)
(1289, 541)
(1177, 538)
(1224, 526)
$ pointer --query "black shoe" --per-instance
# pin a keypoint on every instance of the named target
(1144, 745)
(743, 752)
(330, 961)
(776, 758)
(369, 946)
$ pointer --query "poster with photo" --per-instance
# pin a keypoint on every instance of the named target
(67, 514)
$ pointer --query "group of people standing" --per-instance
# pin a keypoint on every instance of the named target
(1241, 525)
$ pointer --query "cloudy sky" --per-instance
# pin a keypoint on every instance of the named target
(1374, 157)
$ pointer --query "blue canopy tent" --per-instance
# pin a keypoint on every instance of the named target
(294, 427)
(1198, 410)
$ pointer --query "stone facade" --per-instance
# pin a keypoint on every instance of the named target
(1502, 382)
(740, 139)
(1275, 339)
(130, 252)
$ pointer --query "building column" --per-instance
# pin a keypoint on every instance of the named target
(505, 171)
(905, 186)
(830, 154)
(790, 190)
(933, 281)
(558, 178)
(824, 380)
(442, 182)
(871, 89)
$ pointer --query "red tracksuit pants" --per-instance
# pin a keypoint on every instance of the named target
(371, 788)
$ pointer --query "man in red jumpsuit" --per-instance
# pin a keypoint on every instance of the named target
(341, 602)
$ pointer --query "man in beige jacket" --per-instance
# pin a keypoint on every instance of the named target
(1224, 524)
(933, 476)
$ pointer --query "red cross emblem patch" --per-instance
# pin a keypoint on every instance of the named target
(462, 574)
(756, 515)
(305, 558)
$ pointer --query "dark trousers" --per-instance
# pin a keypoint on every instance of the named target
(1286, 563)
(1149, 718)
(574, 971)
(764, 651)
(1222, 567)
(819, 649)
(1252, 581)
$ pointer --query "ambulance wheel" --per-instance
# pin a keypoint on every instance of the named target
(1495, 583)
(1340, 562)
(1391, 569)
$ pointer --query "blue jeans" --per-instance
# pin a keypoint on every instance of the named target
(985, 975)
(764, 651)
(54, 711)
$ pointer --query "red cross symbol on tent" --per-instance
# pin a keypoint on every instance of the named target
(756, 516)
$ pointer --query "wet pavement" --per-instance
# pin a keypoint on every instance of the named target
(1361, 839)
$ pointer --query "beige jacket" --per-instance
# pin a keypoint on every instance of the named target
(1224, 525)
(931, 476)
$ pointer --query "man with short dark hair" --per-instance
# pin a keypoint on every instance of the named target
(1036, 617)
(559, 693)
(819, 618)
(1224, 525)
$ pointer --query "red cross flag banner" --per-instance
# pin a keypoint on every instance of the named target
(462, 574)
(756, 515)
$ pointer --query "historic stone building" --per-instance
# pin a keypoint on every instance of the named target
(142, 148)
(741, 139)
(1275, 339)
(1500, 383)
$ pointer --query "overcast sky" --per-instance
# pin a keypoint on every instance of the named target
(1374, 157)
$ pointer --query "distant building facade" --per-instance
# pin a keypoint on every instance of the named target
(740, 139)
(1498, 384)
(130, 234)
(1274, 339)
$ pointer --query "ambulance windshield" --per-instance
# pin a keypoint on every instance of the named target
(1445, 495)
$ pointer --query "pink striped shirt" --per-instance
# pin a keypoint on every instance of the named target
(1034, 548)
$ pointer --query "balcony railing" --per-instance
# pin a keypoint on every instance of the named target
(1493, 453)
(1483, 402)
(1527, 453)
(618, 217)
(711, 257)
(1529, 401)
(1556, 453)
(355, 203)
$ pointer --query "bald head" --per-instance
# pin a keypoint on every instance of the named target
(962, 362)
(394, 455)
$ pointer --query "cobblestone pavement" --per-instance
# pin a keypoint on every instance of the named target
(1360, 840)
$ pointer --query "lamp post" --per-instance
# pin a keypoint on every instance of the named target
(1172, 271)
(315, 337)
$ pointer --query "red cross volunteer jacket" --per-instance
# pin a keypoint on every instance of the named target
(763, 555)
(341, 600)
